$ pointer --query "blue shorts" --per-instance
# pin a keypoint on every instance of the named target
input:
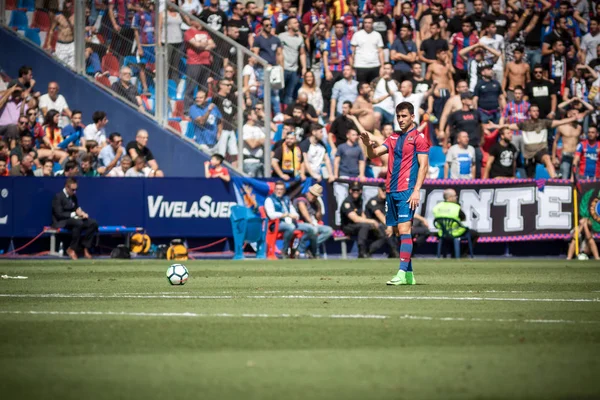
(397, 209)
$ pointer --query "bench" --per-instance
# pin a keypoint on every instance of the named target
(102, 230)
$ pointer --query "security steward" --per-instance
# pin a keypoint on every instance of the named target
(375, 209)
(449, 208)
(355, 223)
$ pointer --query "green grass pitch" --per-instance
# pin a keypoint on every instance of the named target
(327, 329)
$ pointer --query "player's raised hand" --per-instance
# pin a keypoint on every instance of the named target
(414, 200)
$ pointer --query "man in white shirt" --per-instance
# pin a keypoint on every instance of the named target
(496, 42)
(590, 42)
(254, 142)
(96, 131)
(460, 159)
(367, 47)
(55, 101)
(416, 99)
(384, 88)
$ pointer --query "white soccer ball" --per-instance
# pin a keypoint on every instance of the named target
(582, 256)
(177, 274)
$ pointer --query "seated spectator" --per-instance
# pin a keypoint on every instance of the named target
(24, 168)
(278, 206)
(93, 150)
(287, 160)
(66, 213)
(587, 244)
(137, 171)
(54, 101)
(46, 169)
(502, 158)
(24, 147)
(12, 106)
(349, 162)
(111, 156)
(586, 163)
(120, 170)
(300, 122)
(450, 208)
(95, 131)
(138, 148)
(52, 134)
(208, 123)
(254, 143)
(124, 88)
(314, 155)
(4, 151)
(375, 210)
(27, 82)
(310, 208)
(340, 127)
(73, 133)
(33, 126)
(70, 169)
(3, 169)
(23, 127)
(355, 223)
(86, 166)
(460, 159)
(215, 169)
(309, 111)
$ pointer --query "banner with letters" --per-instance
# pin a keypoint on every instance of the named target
(517, 210)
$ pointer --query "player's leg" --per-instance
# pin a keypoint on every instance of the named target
(403, 224)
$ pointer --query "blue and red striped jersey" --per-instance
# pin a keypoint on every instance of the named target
(403, 166)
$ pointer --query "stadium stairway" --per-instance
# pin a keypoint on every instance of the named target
(175, 155)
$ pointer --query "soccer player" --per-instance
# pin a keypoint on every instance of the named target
(408, 162)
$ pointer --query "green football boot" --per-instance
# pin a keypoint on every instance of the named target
(410, 278)
(399, 279)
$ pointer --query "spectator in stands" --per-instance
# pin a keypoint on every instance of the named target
(488, 99)
(193, 7)
(28, 84)
(337, 54)
(24, 168)
(310, 207)
(340, 127)
(95, 131)
(214, 17)
(293, 50)
(121, 169)
(569, 135)
(495, 41)
(590, 42)
(367, 50)
(517, 73)
(64, 22)
(429, 47)
(287, 159)
(309, 112)
(541, 92)
(586, 163)
(384, 88)
(73, 133)
(477, 63)
(3, 169)
(171, 36)
(143, 26)
(52, 134)
(226, 101)
(270, 49)
(123, 87)
(66, 213)
(502, 158)
(460, 159)
(375, 210)
(24, 147)
(252, 88)
(405, 93)
(93, 150)
(349, 162)
(314, 155)
(34, 127)
(238, 20)
(587, 243)
(403, 54)
(12, 107)
(318, 45)
(137, 171)
(198, 47)
(46, 168)
(466, 119)
(450, 208)
(111, 156)
(215, 169)
(70, 169)
(254, 143)
(355, 223)
(54, 101)
(138, 148)
(352, 19)
(344, 90)
(208, 123)
(23, 127)
(313, 93)
(464, 38)
(86, 166)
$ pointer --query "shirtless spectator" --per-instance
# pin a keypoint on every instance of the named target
(123, 87)
(112, 155)
(440, 71)
(569, 134)
(138, 148)
(121, 170)
(363, 109)
(95, 131)
(517, 73)
(55, 101)
(65, 44)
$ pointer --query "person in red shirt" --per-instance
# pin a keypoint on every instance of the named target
(198, 46)
(3, 169)
(215, 169)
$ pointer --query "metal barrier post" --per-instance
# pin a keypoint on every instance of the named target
(3, 20)
(162, 72)
(240, 110)
(79, 36)
(267, 127)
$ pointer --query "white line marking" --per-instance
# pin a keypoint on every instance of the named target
(300, 297)
(322, 316)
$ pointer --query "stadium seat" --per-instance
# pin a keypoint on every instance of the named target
(273, 235)
(175, 124)
(41, 20)
(247, 227)
(11, 5)
(446, 225)
(177, 108)
(110, 63)
(173, 90)
(27, 4)
(541, 172)
(437, 158)
(103, 80)
(18, 19)
(131, 61)
(33, 34)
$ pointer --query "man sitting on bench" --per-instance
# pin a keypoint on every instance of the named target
(66, 213)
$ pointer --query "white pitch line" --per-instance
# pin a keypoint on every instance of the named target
(276, 316)
(297, 297)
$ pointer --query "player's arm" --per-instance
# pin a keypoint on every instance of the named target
(415, 197)
(372, 152)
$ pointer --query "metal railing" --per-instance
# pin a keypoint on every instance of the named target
(106, 46)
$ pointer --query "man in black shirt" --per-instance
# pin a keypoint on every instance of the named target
(429, 47)
(382, 23)
(420, 84)
(560, 32)
(533, 40)
(137, 148)
(355, 223)
(502, 159)
(245, 38)
(499, 18)
(307, 109)
(540, 91)
(214, 17)
(468, 120)
(375, 209)
(455, 23)
(478, 17)
(225, 101)
(340, 127)
(123, 87)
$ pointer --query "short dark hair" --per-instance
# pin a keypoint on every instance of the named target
(339, 22)
(76, 112)
(434, 23)
(519, 87)
(70, 180)
(316, 127)
(520, 49)
(298, 107)
(369, 16)
(405, 105)
(113, 135)
(249, 2)
(540, 66)
(280, 183)
(98, 116)
(24, 70)
(407, 26)
(87, 158)
(218, 157)
(247, 113)
(536, 105)
(347, 102)
(90, 144)
(289, 122)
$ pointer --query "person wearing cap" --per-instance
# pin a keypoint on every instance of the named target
(375, 209)
(467, 120)
(12, 107)
(355, 223)
(488, 96)
(311, 207)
